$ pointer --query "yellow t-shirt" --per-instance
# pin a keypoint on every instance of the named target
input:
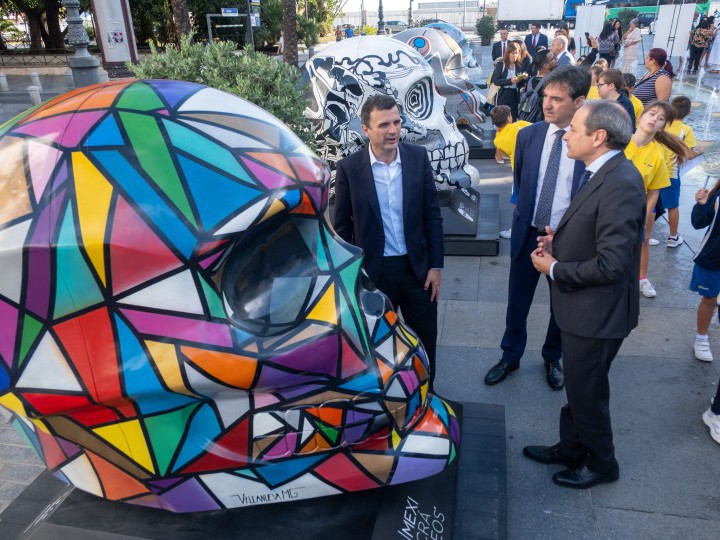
(593, 93)
(651, 162)
(682, 130)
(506, 138)
(638, 106)
(686, 134)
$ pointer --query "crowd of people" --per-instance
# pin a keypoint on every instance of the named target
(551, 122)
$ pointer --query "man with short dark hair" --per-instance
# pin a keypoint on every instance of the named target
(545, 180)
(386, 204)
(593, 260)
(535, 39)
(498, 49)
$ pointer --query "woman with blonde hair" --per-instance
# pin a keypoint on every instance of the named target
(646, 152)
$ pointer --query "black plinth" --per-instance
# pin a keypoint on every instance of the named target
(468, 500)
(470, 222)
(480, 141)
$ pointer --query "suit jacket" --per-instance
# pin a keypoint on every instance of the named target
(541, 42)
(357, 218)
(528, 150)
(565, 59)
(497, 49)
(595, 291)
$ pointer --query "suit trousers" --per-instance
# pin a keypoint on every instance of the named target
(400, 284)
(585, 429)
(522, 283)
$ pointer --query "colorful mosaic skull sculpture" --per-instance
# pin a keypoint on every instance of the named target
(180, 327)
(346, 73)
(464, 101)
(468, 57)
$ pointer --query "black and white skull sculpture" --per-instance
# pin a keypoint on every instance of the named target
(345, 74)
(464, 101)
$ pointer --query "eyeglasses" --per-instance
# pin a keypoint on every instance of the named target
(603, 84)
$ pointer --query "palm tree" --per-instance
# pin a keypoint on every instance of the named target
(290, 38)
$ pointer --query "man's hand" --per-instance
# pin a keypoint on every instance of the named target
(545, 242)
(542, 261)
(433, 281)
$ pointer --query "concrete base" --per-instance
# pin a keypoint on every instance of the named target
(467, 500)
(85, 70)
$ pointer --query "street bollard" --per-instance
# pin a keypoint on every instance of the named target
(69, 81)
(34, 95)
(35, 80)
(3, 83)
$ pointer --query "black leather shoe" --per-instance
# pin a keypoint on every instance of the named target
(583, 478)
(550, 455)
(498, 372)
(554, 375)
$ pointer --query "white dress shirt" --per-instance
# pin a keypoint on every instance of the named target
(592, 168)
(389, 188)
(563, 186)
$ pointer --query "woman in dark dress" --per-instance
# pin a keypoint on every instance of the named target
(617, 28)
(508, 75)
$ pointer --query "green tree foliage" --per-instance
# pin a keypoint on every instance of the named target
(625, 16)
(275, 86)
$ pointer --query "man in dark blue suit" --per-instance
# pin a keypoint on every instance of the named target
(386, 203)
(545, 181)
(535, 39)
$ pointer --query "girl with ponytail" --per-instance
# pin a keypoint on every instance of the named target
(646, 151)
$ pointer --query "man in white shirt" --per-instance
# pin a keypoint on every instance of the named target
(545, 181)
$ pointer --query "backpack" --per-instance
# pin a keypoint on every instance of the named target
(530, 106)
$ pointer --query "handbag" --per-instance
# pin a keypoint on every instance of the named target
(492, 94)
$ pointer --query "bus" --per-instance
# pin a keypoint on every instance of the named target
(642, 6)
(616, 6)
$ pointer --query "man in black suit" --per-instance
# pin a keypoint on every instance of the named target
(498, 49)
(545, 181)
(535, 39)
(593, 259)
(386, 203)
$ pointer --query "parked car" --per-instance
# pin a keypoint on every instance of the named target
(393, 27)
(645, 19)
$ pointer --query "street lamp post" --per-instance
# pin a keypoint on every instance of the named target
(410, 21)
(381, 21)
(85, 67)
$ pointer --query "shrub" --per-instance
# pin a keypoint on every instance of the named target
(308, 31)
(485, 27)
(275, 86)
(369, 30)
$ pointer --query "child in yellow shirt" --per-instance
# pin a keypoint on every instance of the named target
(670, 196)
(646, 153)
(630, 81)
(506, 132)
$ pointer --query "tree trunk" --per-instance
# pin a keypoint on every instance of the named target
(35, 28)
(290, 38)
(181, 18)
(54, 38)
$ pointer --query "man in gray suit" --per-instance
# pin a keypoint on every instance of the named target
(593, 259)
(559, 48)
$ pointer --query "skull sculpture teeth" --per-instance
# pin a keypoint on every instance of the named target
(180, 327)
(346, 73)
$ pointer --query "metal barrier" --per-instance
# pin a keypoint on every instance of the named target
(35, 57)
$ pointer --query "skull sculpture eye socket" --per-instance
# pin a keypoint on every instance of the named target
(268, 278)
(419, 99)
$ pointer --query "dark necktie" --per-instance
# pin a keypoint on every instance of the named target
(534, 41)
(547, 193)
(503, 48)
(584, 180)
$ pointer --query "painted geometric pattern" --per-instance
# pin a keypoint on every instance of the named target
(180, 327)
